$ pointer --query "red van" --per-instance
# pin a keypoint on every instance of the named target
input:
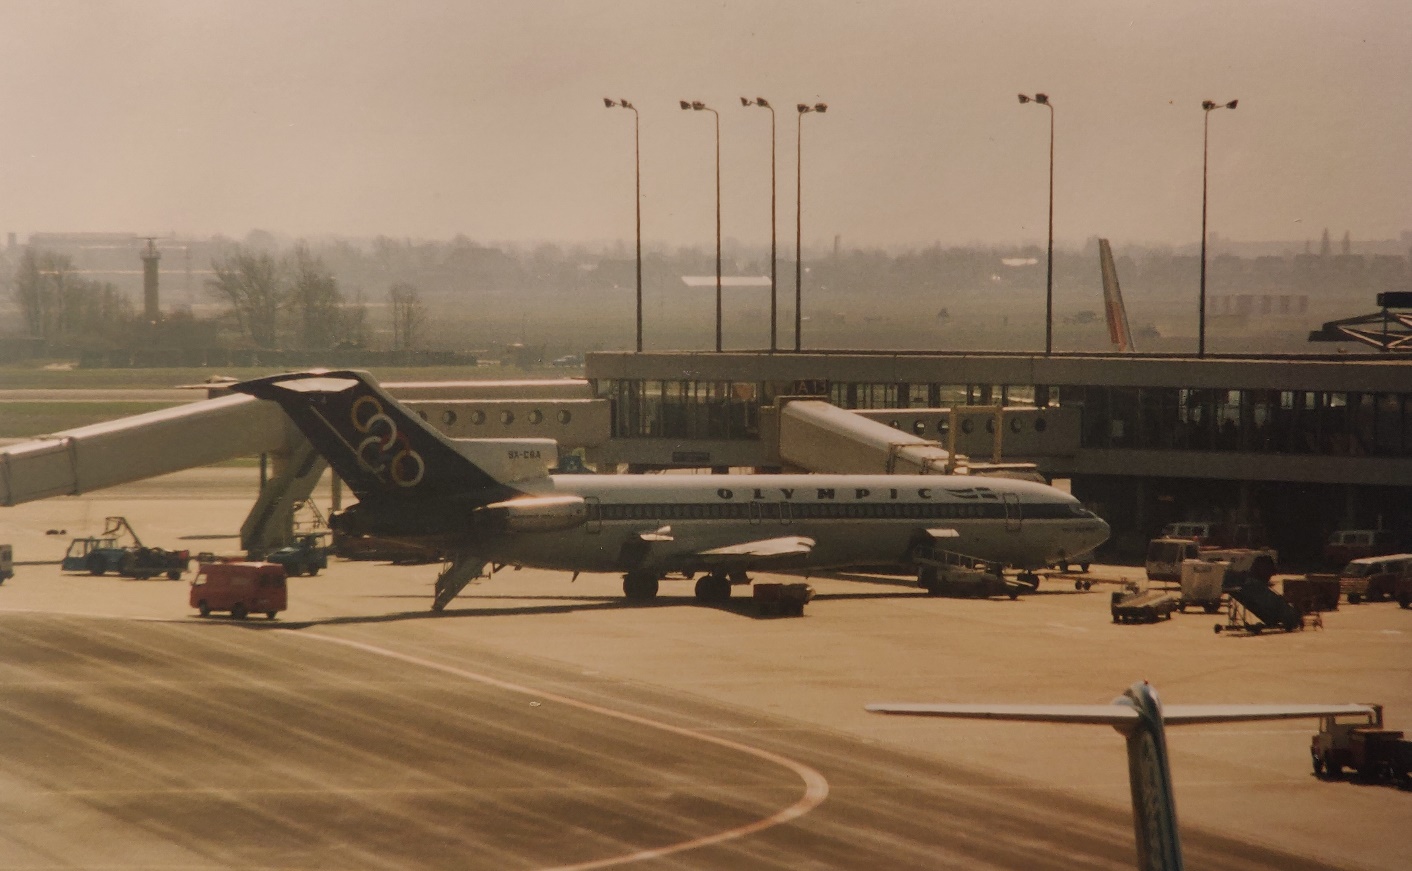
(239, 588)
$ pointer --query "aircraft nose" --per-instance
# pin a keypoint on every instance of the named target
(1101, 531)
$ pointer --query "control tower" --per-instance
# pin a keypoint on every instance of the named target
(151, 311)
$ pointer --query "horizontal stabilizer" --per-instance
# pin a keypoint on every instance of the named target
(1119, 712)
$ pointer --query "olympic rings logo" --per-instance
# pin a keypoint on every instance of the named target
(385, 452)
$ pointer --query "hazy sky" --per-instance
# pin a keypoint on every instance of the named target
(436, 118)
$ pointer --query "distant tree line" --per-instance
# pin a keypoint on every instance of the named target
(291, 301)
(59, 305)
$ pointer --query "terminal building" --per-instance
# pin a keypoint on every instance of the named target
(1299, 444)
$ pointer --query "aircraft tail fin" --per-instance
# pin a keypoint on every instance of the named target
(1139, 716)
(1118, 330)
(374, 443)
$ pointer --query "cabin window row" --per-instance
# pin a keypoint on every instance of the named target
(820, 511)
(506, 417)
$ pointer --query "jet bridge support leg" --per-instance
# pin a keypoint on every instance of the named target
(270, 523)
(454, 578)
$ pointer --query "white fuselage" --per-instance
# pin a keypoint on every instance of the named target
(854, 520)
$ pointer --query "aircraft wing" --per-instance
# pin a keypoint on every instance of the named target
(755, 553)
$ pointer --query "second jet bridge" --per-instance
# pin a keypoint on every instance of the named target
(817, 436)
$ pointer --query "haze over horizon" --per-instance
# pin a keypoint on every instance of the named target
(432, 119)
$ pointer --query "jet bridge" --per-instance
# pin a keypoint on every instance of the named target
(224, 427)
(187, 436)
(821, 437)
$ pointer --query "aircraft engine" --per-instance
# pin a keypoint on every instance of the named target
(532, 514)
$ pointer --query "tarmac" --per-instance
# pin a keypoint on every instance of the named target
(543, 723)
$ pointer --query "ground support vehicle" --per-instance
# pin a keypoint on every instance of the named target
(1363, 745)
(1166, 555)
(307, 556)
(1083, 561)
(1147, 606)
(782, 600)
(240, 588)
(1312, 593)
(1345, 545)
(7, 563)
(1254, 608)
(1203, 584)
(1207, 534)
(1374, 578)
(945, 573)
(108, 552)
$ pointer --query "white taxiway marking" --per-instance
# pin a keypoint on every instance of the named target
(816, 788)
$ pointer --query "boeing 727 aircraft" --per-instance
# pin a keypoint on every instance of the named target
(478, 501)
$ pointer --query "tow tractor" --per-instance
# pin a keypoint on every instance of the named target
(947, 573)
(306, 556)
(1363, 745)
(109, 552)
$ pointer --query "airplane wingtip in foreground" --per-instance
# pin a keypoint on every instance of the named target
(476, 501)
(1139, 716)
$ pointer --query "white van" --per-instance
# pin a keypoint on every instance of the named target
(1374, 577)
(1165, 556)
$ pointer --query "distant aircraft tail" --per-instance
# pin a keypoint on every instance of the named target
(376, 445)
(1139, 716)
(1118, 330)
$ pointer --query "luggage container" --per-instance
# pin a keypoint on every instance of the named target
(782, 600)
(1313, 593)
(1202, 584)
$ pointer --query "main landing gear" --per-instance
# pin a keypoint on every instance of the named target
(713, 588)
(639, 585)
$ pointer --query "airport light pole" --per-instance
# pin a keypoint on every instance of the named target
(1043, 100)
(698, 106)
(774, 296)
(1206, 106)
(798, 216)
(637, 188)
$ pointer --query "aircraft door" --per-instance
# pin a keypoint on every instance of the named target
(593, 515)
(1012, 512)
(755, 513)
(785, 513)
